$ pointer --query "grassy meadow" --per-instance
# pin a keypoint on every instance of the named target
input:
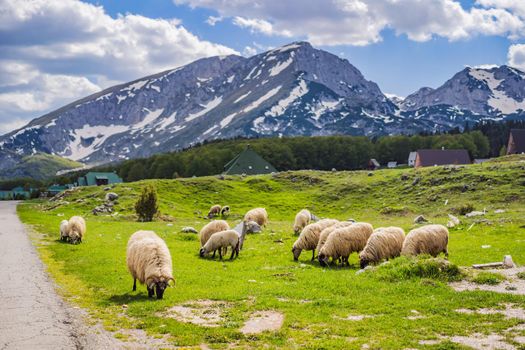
(404, 305)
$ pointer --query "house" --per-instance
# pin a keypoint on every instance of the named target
(516, 143)
(98, 179)
(412, 158)
(373, 164)
(248, 162)
(391, 165)
(56, 189)
(16, 193)
(434, 157)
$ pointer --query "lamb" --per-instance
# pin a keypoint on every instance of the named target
(309, 237)
(428, 239)
(344, 241)
(76, 229)
(220, 240)
(63, 230)
(225, 211)
(302, 219)
(259, 215)
(327, 231)
(384, 243)
(214, 211)
(211, 228)
(149, 261)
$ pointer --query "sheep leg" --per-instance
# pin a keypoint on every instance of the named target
(151, 292)
(313, 255)
(134, 284)
(233, 253)
(446, 253)
(220, 253)
(213, 256)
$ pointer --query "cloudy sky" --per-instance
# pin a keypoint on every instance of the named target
(53, 52)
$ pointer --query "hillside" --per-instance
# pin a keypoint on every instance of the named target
(322, 308)
(40, 166)
(293, 90)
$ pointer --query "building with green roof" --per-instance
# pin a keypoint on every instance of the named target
(98, 179)
(248, 162)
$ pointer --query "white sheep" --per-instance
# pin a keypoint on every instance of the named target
(211, 228)
(384, 243)
(309, 237)
(76, 229)
(259, 215)
(63, 230)
(302, 219)
(214, 211)
(149, 260)
(327, 231)
(225, 211)
(344, 241)
(428, 239)
(220, 240)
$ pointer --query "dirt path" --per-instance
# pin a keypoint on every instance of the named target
(32, 315)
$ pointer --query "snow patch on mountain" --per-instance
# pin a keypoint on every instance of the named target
(282, 105)
(261, 99)
(206, 108)
(279, 67)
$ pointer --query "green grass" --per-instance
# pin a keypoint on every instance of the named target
(314, 300)
(489, 278)
(39, 166)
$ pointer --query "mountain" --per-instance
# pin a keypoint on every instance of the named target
(39, 166)
(473, 94)
(292, 90)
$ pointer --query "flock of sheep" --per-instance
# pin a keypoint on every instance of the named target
(149, 260)
(336, 240)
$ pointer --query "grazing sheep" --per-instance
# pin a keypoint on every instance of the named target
(259, 215)
(384, 243)
(225, 211)
(309, 237)
(327, 231)
(428, 239)
(301, 220)
(63, 230)
(246, 227)
(211, 228)
(344, 241)
(76, 229)
(220, 240)
(214, 211)
(149, 261)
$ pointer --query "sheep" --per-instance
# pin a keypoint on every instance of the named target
(149, 261)
(225, 211)
(214, 211)
(259, 215)
(213, 227)
(344, 241)
(428, 239)
(301, 220)
(63, 230)
(309, 237)
(220, 240)
(327, 231)
(76, 229)
(384, 243)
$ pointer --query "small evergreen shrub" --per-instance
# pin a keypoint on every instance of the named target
(146, 206)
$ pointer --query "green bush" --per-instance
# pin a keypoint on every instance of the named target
(489, 278)
(424, 266)
(146, 206)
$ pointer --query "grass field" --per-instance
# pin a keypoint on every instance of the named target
(402, 309)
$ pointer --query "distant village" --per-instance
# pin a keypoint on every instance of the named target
(248, 162)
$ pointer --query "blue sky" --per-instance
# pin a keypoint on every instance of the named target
(55, 51)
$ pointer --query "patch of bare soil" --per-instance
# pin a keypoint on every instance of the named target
(354, 317)
(206, 313)
(513, 284)
(482, 342)
(262, 321)
(509, 311)
(415, 315)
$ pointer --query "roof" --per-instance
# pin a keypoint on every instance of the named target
(431, 157)
(412, 156)
(374, 162)
(248, 162)
(518, 136)
(90, 178)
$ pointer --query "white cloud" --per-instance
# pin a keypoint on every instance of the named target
(212, 20)
(516, 56)
(49, 47)
(249, 51)
(360, 22)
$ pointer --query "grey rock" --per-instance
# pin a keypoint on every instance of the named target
(188, 229)
(111, 196)
(420, 219)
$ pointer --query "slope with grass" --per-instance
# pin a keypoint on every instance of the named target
(404, 304)
(39, 166)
